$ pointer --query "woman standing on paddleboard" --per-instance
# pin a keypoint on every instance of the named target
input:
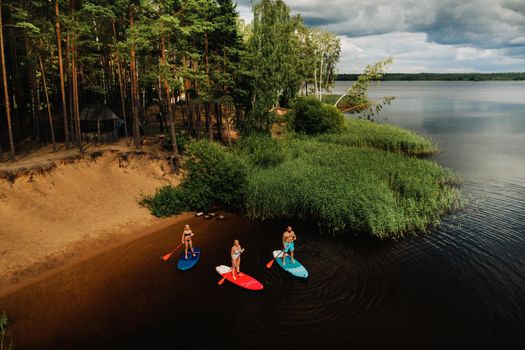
(236, 258)
(186, 239)
(288, 243)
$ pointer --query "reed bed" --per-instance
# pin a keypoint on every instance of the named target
(365, 133)
(349, 189)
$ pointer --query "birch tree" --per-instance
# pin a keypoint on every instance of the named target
(326, 50)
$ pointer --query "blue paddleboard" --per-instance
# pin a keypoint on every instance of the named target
(294, 268)
(186, 264)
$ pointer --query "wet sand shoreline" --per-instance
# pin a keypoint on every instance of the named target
(98, 247)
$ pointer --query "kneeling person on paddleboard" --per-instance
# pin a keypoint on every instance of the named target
(288, 243)
(186, 239)
(236, 258)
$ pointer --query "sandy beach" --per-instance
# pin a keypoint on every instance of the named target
(52, 211)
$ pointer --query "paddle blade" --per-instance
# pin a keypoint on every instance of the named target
(221, 281)
(167, 256)
(270, 263)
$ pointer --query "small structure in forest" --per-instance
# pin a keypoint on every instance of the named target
(99, 124)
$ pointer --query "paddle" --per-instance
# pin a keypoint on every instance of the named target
(270, 263)
(167, 256)
(222, 280)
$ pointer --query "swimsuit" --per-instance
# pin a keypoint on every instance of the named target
(187, 239)
(236, 254)
(288, 247)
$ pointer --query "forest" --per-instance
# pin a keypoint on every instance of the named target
(194, 62)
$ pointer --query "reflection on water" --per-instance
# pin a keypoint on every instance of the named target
(461, 285)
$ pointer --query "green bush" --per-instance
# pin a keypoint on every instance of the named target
(216, 173)
(6, 342)
(182, 141)
(311, 117)
(166, 201)
(214, 177)
(261, 150)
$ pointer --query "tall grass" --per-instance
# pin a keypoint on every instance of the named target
(365, 133)
(349, 189)
(6, 343)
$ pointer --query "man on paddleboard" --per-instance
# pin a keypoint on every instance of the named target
(288, 243)
(186, 240)
(236, 258)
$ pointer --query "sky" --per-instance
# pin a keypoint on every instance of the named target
(421, 35)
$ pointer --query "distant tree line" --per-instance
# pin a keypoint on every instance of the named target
(441, 76)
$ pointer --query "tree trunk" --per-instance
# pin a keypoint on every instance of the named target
(171, 112)
(218, 119)
(35, 103)
(321, 78)
(209, 128)
(315, 82)
(207, 106)
(162, 109)
(44, 84)
(228, 133)
(76, 108)
(6, 93)
(61, 72)
(121, 84)
(198, 118)
(134, 96)
(17, 93)
(70, 88)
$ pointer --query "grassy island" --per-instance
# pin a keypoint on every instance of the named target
(364, 179)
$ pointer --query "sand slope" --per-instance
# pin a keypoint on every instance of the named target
(49, 216)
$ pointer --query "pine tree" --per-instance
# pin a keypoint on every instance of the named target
(6, 93)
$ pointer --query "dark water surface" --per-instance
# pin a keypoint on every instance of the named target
(460, 286)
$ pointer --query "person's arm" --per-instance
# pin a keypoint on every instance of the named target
(294, 236)
(182, 239)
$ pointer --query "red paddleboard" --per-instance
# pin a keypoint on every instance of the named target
(243, 281)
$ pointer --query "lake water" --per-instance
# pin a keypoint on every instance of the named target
(460, 286)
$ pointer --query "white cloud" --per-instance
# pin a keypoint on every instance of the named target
(413, 53)
(421, 35)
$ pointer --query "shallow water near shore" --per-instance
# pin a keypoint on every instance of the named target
(461, 285)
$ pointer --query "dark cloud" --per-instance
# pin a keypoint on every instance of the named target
(480, 23)
(495, 28)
